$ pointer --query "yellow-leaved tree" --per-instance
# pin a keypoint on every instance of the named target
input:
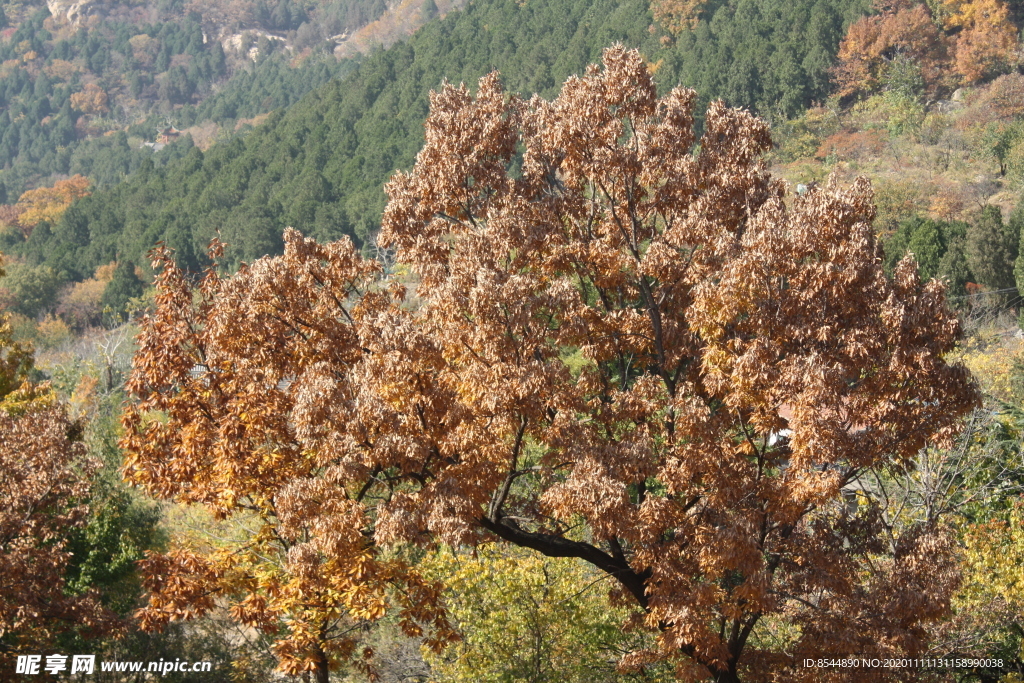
(523, 616)
(986, 42)
(993, 592)
(675, 15)
(49, 203)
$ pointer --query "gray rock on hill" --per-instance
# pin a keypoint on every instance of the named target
(73, 10)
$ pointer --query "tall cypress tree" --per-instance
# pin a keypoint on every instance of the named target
(991, 250)
(1015, 227)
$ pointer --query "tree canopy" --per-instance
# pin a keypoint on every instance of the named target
(947, 41)
(625, 346)
(44, 483)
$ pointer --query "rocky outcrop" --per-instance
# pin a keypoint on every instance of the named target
(240, 42)
(73, 10)
(400, 20)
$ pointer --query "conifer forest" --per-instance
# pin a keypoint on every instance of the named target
(512, 341)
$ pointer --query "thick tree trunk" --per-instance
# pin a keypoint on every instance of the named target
(728, 676)
(321, 671)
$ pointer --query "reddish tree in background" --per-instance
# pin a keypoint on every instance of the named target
(901, 29)
(963, 41)
(628, 347)
(44, 481)
(91, 99)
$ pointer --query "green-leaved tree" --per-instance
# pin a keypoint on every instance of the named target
(992, 250)
(123, 287)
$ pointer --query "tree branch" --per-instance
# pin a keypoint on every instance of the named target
(557, 546)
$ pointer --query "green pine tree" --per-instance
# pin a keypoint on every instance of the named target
(124, 286)
(1015, 230)
(991, 251)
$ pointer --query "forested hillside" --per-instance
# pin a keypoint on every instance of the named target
(274, 82)
(57, 86)
(106, 67)
(321, 165)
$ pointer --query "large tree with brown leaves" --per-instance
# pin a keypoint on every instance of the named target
(626, 346)
(227, 385)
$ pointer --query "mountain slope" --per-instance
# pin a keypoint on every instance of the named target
(320, 165)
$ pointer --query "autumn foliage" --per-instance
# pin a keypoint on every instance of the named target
(308, 572)
(986, 42)
(960, 41)
(848, 144)
(626, 346)
(44, 481)
(872, 42)
(15, 359)
(675, 15)
(49, 203)
(1002, 101)
(42, 485)
(92, 99)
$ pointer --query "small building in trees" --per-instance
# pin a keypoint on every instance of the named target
(165, 136)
